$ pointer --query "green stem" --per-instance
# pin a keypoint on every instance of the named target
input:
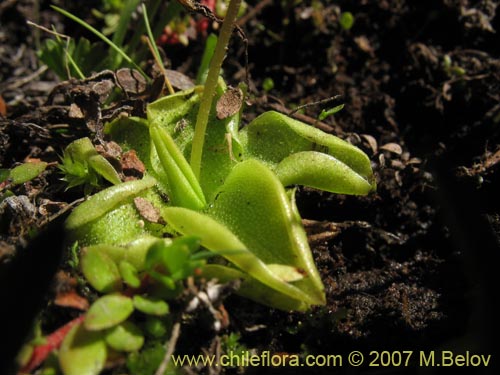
(211, 85)
(103, 38)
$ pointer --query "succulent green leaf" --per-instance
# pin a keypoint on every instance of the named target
(174, 258)
(183, 187)
(4, 174)
(106, 200)
(252, 289)
(346, 20)
(26, 172)
(254, 205)
(82, 164)
(155, 326)
(82, 352)
(133, 252)
(177, 115)
(253, 214)
(125, 337)
(108, 311)
(325, 113)
(208, 52)
(104, 168)
(151, 305)
(129, 274)
(272, 137)
(100, 270)
(120, 224)
(321, 171)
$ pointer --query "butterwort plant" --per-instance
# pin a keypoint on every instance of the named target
(211, 190)
(235, 195)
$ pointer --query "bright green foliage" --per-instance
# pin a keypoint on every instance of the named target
(346, 20)
(170, 263)
(23, 173)
(146, 361)
(268, 84)
(325, 113)
(100, 270)
(151, 305)
(129, 274)
(258, 220)
(273, 137)
(156, 327)
(82, 165)
(82, 352)
(4, 174)
(69, 59)
(239, 208)
(108, 311)
(125, 337)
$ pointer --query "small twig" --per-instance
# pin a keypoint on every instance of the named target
(27, 79)
(60, 212)
(304, 118)
(161, 67)
(313, 104)
(63, 36)
(154, 51)
(170, 345)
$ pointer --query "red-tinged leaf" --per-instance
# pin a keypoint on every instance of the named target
(72, 299)
(3, 107)
(52, 342)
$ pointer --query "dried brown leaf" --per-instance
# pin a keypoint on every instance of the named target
(229, 103)
(392, 147)
(148, 211)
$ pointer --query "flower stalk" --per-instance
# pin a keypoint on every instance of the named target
(211, 85)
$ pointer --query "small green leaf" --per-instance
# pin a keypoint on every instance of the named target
(82, 352)
(125, 337)
(174, 257)
(268, 84)
(100, 270)
(146, 361)
(321, 171)
(165, 281)
(108, 311)
(151, 305)
(104, 168)
(183, 187)
(26, 172)
(4, 174)
(155, 326)
(208, 52)
(325, 113)
(129, 274)
(346, 20)
(82, 164)
(134, 252)
(272, 137)
(104, 201)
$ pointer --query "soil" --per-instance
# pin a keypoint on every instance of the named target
(410, 267)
